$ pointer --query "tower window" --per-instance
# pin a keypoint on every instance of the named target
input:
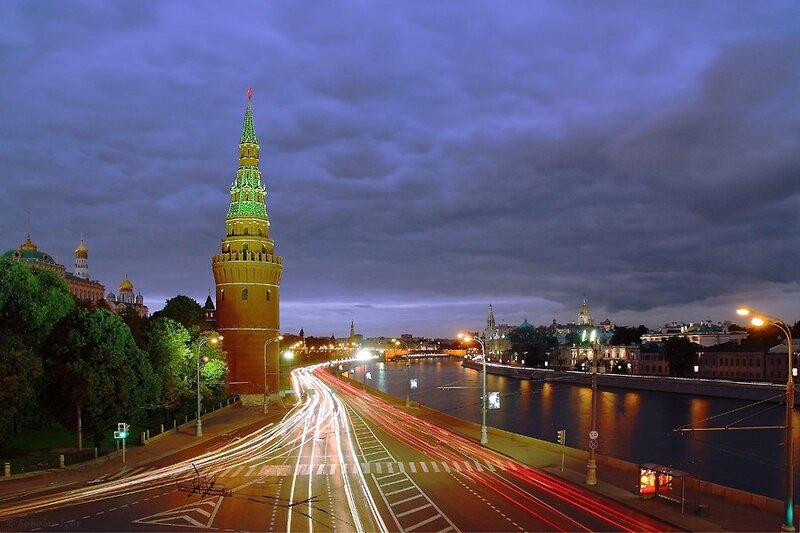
(244, 294)
(247, 231)
(222, 295)
(268, 295)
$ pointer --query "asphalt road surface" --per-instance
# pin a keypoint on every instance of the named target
(340, 460)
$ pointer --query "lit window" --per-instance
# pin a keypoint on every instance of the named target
(268, 295)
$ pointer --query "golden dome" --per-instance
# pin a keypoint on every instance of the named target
(82, 250)
(126, 285)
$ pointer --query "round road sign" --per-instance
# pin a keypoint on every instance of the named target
(593, 434)
(593, 444)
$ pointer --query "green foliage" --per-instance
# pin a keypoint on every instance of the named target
(92, 364)
(20, 372)
(167, 348)
(31, 302)
(681, 354)
(532, 344)
(183, 310)
(625, 336)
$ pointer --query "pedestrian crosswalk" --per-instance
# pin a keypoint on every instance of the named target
(377, 468)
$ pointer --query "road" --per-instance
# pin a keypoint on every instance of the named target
(340, 460)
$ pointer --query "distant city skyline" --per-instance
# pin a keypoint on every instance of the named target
(422, 161)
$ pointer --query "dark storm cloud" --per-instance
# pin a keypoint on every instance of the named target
(422, 160)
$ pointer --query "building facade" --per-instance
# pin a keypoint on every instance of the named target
(496, 336)
(704, 333)
(79, 284)
(247, 274)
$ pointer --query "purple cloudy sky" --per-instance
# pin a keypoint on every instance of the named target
(422, 159)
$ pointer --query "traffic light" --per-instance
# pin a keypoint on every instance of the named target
(562, 436)
(122, 430)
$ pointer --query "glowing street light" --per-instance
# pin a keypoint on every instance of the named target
(198, 428)
(760, 319)
(484, 432)
(266, 342)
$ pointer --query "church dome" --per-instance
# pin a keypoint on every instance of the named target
(28, 251)
(82, 250)
(126, 285)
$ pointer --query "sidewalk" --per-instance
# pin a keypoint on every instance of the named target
(229, 420)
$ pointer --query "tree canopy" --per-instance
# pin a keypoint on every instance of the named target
(681, 354)
(96, 375)
(183, 310)
(532, 343)
(625, 336)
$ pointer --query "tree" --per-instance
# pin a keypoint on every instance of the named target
(183, 310)
(532, 343)
(680, 354)
(20, 372)
(167, 349)
(32, 301)
(96, 375)
(625, 336)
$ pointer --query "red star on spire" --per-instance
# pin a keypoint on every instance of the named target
(249, 93)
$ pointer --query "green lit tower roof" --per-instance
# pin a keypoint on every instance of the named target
(248, 195)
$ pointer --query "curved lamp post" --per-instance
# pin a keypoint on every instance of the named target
(198, 428)
(484, 433)
(759, 319)
(408, 370)
(266, 390)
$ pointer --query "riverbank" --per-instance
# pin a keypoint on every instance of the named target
(700, 387)
(695, 505)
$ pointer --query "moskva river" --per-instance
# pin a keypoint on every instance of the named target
(635, 426)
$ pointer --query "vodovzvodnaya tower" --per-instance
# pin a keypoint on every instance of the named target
(247, 275)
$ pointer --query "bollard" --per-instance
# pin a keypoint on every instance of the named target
(174, 424)
(7, 469)
(61, 460)
(186, 419)
(95, 452)
(162, 428)
(143, 437)
(148, 434)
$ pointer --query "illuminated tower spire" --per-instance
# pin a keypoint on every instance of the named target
(584, 317)
(247, 276)
(248, 195)
(82, 260)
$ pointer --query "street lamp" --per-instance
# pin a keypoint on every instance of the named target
(761, 320)
(484, 433)
(266, 342)
(591, 464)
(288, 356)
(408, 370)
(198, 428)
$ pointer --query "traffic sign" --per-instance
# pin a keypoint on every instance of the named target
(593, 444)
(593, 435)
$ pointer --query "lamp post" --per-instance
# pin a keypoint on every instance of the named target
(198, 428)
(591, 464)
(288, 356)
(484, 433)
(408, 371)
(266, 342)
(761, 320)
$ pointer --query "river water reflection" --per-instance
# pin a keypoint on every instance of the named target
(636, 426)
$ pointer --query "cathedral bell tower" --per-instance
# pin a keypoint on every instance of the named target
(247, 274)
